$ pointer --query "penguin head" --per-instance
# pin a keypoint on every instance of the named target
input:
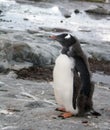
(64, 39)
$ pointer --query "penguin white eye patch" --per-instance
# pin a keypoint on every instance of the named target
(68, 36)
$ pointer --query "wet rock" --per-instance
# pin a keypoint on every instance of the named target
(98, 10)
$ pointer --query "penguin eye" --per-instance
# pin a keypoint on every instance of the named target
(68, 36)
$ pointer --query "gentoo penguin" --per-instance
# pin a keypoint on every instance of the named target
(72, 84)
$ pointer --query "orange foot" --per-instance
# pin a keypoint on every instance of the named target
(60, 109)
(66, 115)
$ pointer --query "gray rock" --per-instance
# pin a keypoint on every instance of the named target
(98, 10)
(76, 11)
(16, 54)
(1, 11)
(2, 84)
(66, 13)
(24, 41)
(12, 74)
(2, 68)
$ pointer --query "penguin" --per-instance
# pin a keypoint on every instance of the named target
(73, 88)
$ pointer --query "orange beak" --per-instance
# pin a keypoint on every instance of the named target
(53, 37)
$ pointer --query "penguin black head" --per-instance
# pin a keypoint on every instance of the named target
(66, 40)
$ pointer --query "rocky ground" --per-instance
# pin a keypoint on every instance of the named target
(27, 101)
(30, 105)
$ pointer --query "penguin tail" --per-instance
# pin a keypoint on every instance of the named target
(93, 112)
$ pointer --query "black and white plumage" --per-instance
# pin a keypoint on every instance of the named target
(63, 82)
(71, 77)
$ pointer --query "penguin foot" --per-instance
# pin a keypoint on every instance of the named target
(60, 109)
(66, 115)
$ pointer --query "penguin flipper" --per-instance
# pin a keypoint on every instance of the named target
(76, 87)
(84, 75)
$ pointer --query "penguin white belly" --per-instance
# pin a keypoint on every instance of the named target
(63, 82)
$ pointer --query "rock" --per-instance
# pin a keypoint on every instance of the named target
(76, 11)
(48, 29)
(66, 13)
(98, 10)
(11, 74)
(32, 31)
(1, 84)
(2, 68)
(61, 21)
(18, 54)
(24, 40)
(100, 55)
(85, 122)
(1, 11)
(26, 19)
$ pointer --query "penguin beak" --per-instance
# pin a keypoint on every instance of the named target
(53, 37)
